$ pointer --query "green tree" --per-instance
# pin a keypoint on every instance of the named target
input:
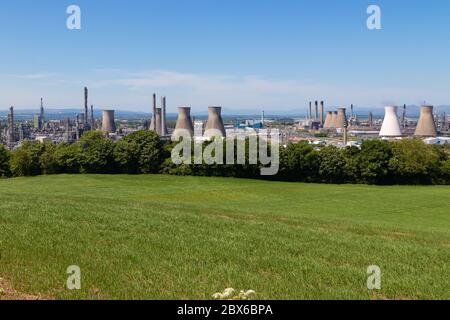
(4, 162)
(414, 162)
(96, 153)
(352, 168)
(67, 157)
(299, 162)
(25, 159)
(48, 161)
(374, 164)
(332, 165)
(140, 152)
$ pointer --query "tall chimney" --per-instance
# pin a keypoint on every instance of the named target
(322, 110)
(86, 93)
(426, 126)
(11, 129)
(316, 116)
(92, 117)
(163, 117)
(370, 119)
(153, 122)
(351, 111)
(310, 110)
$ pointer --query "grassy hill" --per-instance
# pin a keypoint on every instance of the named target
(166, 237)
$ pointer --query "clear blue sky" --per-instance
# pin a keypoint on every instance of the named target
(241, 54)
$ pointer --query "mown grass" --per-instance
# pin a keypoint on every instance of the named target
(166, 237)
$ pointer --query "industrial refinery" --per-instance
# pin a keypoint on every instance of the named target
(321, 126)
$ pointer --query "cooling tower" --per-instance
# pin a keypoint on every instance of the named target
(328, 120)
(426, 126)
(341, 119)
(108, 123)
(391, 124)
(333, 120)
(215, 122)
(184, 122)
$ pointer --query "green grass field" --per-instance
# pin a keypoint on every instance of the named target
(167, 237)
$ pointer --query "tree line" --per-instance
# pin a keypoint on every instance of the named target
(378, 162)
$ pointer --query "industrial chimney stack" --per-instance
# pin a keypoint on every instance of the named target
(322, 110)
(426, 126)
(86, 93)
(163, 117)
(153, 122)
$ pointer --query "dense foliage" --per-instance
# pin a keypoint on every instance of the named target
(407, 161)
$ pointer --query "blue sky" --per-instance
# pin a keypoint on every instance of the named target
(241, 54)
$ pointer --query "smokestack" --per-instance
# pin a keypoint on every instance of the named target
(92, 118)
(310, 110)
(11, 129)
(215, 123)
(42, 108)
(163, 117)
(404, 116)
(328, 120)
(370, 119)
(345, 135)
(341, 119)
(153, 122)
(184, 122)
(322, 110)
(86, 93)
(316, 117)
(391, 124)
(426, 126)
(108, 122)
(351, 111)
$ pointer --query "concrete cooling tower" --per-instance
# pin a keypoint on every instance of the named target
(333, 120)
(426, 126)
(328, 119)
(215, 126)
(108, 123)
(391, 124)
(184, 122)
(341, 119)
